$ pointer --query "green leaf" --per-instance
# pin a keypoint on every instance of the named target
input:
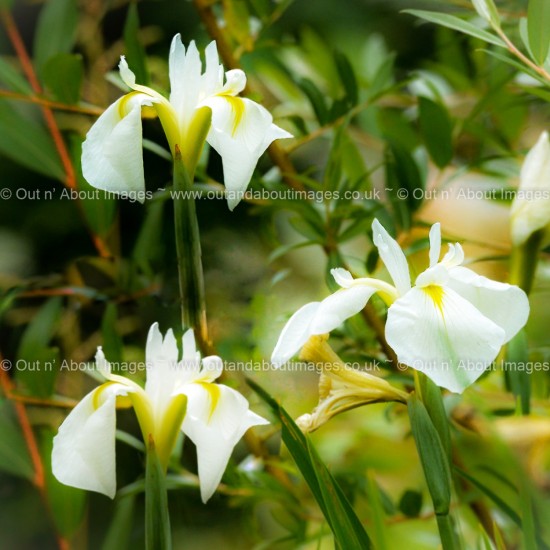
(148, 249)
(118, 535)
(487, 10)
(520, 380)
(347, 77)
(12, 78)
(14, 455)
(316, 98)
(27, 143)
(40, 360)
(157, 518)
(135, 52)
(55, 31)
(348, 530)
(67, 504)
(457, 24)
(436, 130)
(432, 456)
(63, 74)
(538, 27)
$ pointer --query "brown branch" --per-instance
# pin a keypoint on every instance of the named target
(26, 64)
(95, 111)
(276, 152)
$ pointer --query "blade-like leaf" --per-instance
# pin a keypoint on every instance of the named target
(348, 531)
(63, 75)
(538, 28)
(436, 130)
(457, 24)
(135, 52)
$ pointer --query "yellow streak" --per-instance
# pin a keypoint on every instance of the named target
(237, 105)
(214, 393)
(436, 293)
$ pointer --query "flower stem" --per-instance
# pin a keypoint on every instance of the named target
(188, 248)
(524, 261)
(157, 518)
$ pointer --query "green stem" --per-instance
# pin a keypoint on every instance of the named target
(524, 261)
(188, 248)
(157, 518)
(447, 533)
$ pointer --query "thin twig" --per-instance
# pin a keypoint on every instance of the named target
(94, 111)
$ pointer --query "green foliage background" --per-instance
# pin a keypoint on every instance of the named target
(380, 104)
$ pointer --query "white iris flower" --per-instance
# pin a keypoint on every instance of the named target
(178, 395)
(201, 107)
(450, 325)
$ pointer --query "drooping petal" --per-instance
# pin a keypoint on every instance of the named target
(338, 307)
(217, 417)
(392, 256)
(342, 277)
(112, 157)
(83, 453)
(240, 133)
(295, 334)
(530, 211)
(506, 305)
(436, 331)
(435, 243)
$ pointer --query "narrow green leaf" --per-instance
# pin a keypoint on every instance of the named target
(39, 362)
(487, 10)
(118, 535)
(538, 28)
(14, 456)
(55, 31)
(347, 77)
(348, 530)
(149, 246)
(520, 380)
(381, 535)
(504, 507)
(135, 52)
(457, 24)
(27, 143)
(436, 130)
(316, 98)
(527, 517)
(67, 504)
(12, 78)
(112, 342)
(63, 75)
(432, 456)
(157, 518)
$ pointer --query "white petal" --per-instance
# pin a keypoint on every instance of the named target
(83, 454)
(392, 256)
(435, 243)
(235, 82)
(212, 77)
(443, 335)
(112, 157)
(217, 417)
(529, 212)
(212, 368)
(454, 257)
(241, 131)
(295, 334)
(342, 277)
(338, 307)
(163, 371)
(506, 305)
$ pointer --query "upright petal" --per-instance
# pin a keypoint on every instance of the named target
(506, 305)
(241, 131)
(217, 417)
(112, 157)
(392, 256)
(436, 331)
(338, 307)
(83, 453)
(213, 74)
(529, 211)
(435, 243)
(295, 334)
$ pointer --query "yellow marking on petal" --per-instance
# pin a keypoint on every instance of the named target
(436, 293)
(214, 393)
(237, 106)
(96, 403)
